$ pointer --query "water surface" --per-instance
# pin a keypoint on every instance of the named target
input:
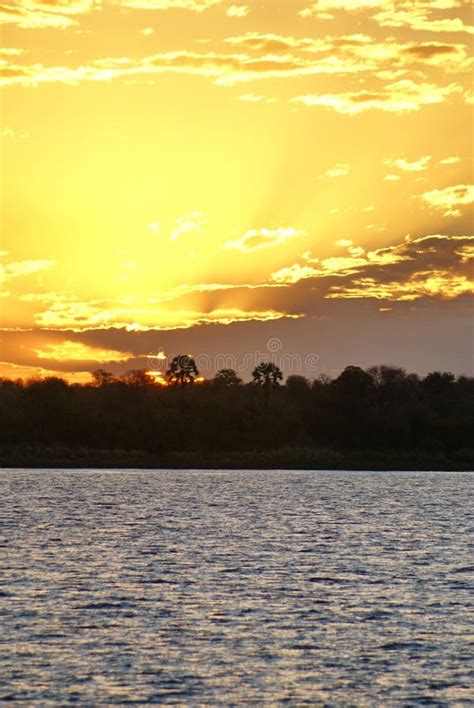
(334, 588)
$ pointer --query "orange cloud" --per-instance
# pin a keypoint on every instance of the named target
(238, 11)
(256, 239)
(193, 5)
(17, 269)
(449, 199)
(340, 170)
(400, 97)
(424, 15)
(9, 370)
(441, 284)
(39, 14)
(410, 166)
(264, 56)
(141, 315)
(77, 351)
(430, 266)
(189, 224)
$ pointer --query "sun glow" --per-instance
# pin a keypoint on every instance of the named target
(158, 378)
(179, 181)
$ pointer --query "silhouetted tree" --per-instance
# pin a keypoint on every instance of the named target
(297, 385)
(102, 377)
(438, 383)
(355, 383)
(321, 380)
(267, 375)
(353, 406)
(383, 409)
(396, 405)
(226, 378)
(136, 378)
(182, 371)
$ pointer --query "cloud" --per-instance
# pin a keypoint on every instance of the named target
(252, 98)
(294, 273)
(256, 239)
(226, 69)
(335, 265)
(61, 14)
(436, 266)
(39, 14)
(32, 20)
(397, 265)
(400, 97)
(182, 307)
(453, 160)
(77, 351)
(420, 15)
(436, 53)
(142, 316)
(155, 227)
(423, 15)
(264, 56)
(448, 199)
(193, 5)
(323, 9)
(406, 166)
(269, 43)
(190, 223)
(14, 371)
(423, 284)
(238, 11)
(340, 170)
(353, 53)
(22, 268)
(11, 51)
(62, 7)
(8, 132)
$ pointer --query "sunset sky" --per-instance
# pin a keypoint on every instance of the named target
(234, 180)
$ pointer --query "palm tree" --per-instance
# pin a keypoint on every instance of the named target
(267, 375)
(183, 370)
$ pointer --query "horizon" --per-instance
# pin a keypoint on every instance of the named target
(163, 377)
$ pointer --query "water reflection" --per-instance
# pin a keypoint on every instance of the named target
(235, 587)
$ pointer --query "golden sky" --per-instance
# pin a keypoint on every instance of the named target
(211, 174)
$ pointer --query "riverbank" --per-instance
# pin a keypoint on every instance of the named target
(286, 458)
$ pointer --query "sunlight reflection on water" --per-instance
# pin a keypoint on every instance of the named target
(235, 587)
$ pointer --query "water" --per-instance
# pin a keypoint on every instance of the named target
(332, 588)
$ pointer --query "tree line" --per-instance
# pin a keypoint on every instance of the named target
(380, 408)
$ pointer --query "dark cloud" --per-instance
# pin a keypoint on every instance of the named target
(431, 49)
(407, 304)
(422, 336)
(436, 266)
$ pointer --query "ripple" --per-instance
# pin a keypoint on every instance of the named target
(233, 588)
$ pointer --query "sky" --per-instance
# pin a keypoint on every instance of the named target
(241, 180)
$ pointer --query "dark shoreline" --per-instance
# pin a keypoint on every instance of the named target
(287, 458)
